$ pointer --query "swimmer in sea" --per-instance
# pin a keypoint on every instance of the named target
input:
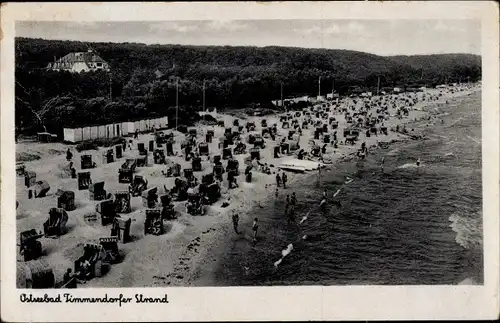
(255, 227)
(382, 164)
(418, 162)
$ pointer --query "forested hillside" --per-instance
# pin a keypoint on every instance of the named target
(143, 79)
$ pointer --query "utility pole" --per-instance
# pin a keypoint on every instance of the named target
(333, 87)
(204, 110)
(319, 87)
(176, 103)
(378, 85)
(282, 105)
(203, 95)
(110, 86)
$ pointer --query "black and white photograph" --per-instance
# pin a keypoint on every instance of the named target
(248, 153)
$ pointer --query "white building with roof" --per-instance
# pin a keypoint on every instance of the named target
(80, 62)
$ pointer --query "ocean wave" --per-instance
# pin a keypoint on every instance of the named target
(469, 230)
(469, 281)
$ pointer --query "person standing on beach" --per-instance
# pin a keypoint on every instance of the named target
(255, 228)
(284, 178)
(236, 219)
(294, 199)
(278, 179)
(69, 155)
(382, 165)
(287, 204)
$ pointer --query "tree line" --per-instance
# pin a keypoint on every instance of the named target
(144, 78)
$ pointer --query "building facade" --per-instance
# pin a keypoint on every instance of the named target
(79, 62)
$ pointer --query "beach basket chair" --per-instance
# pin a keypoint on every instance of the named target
(142, 161)
(153, 223)
(30, 247)
(38, 275)
(203, 149)
(66, 201)
(233, 165)
(121, 228)
(20, 169)
(259, 142)
(159, 156)
(107, 211)
(138, 185)
(56, 223)
(122, 202)
(255, 153)
(97, 191)
(84, 180)
(150, 197)
(119, 151)
(41, 189)
(226, 153)
(90, 264)
(108, 156)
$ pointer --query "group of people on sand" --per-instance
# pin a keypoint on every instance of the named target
(281, 180)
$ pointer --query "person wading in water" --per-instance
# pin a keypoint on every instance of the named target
(255, 228)
(236, 220)
(293, 200)
(287, 204)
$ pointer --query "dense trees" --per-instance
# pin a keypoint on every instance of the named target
(143, 79)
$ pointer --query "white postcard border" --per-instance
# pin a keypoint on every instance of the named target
(262, 303)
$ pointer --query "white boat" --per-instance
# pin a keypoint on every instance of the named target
(292, 168)
(300, 165)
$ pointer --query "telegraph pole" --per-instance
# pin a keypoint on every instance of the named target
(204, 110)
(282, 96)
(378, 85)
(203, 95)
(176, 103)
(319, 87)
(110, 86)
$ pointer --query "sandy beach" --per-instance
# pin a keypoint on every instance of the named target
(188, 253)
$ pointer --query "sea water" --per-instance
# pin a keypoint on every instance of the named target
(402, 224)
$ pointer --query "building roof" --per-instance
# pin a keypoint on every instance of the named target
(86, 57)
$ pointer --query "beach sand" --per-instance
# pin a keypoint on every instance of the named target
(190, 251)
